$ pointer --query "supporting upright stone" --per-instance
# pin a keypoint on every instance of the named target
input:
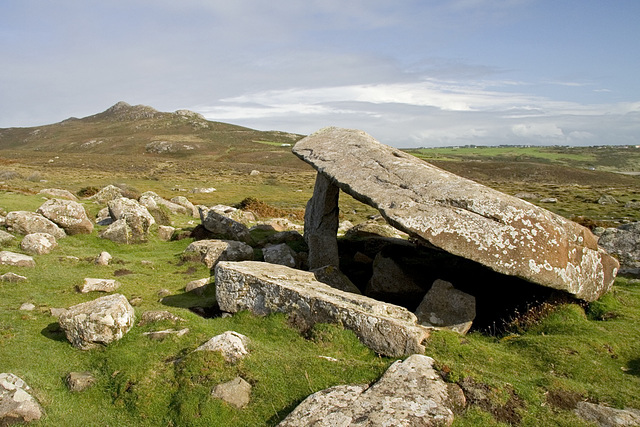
(321, 224)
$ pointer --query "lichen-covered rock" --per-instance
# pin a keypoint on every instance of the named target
(279, 254)
(624, 242)
(462, 217)
(98, 285)
(445, 307)
(108, 193)
(57, 193)
(15, 259)
(410, 393)
(23, 222)
(211, 251)
(16, 403)
(231, 344)
(223, 227)
(197, 286)
(68, 214)
(158, 316)
(103, 259)
(190, 207)
(132, 222)
(12, 277)
(165, 232)
(38, 243)
(98, 322)
(6, 238)
(79, 381)
(151, 200)
(264, 288)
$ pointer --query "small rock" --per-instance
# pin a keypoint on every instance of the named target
(161, 335)
(56, 193)
(12, 277)
(6, 238)
(280, 254)
(103, 259)
(236, 392)
(38, 243)
(79, 381)
(232, 345)
(165, 232)
(607, 199)
(445, 307)
(158, 316)
(18, 260)
(98, 285)
(163, 293)
(254, 173)
(203, 190)
(197, 286)
(27, 306)
(16, 403)
(549, 200)
(57, 312)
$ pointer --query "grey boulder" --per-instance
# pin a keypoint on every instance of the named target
(17, 405)
(23, 222)
(68, 214)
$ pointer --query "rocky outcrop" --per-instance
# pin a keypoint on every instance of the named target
(23, 222)
(67, 214)
(98, 322)
(38, 243)
(264, 288)
(462, 217)
(445, 307)
(410, 393)
(17, 405)
(232, 345)
(17, 260)
(212, 251)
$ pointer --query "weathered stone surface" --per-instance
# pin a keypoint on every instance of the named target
(624, 242)
(56, 193)
(132, 221)
(98, 285)
(158, 316)
(103, 259)
(184, 202)
(108, 193)
(103, 217)
(605, 416)
(120, 232)
(151, 200)
(264, 288)
(223, 227)
(280, 254)
(373, 229)
(212, 251)
(165, 232)
(410, 393)
(12, 278)
(16, 403)
(197, 286)
(68, 214)
(462, 217)
(27, 306)
(18, 260)
(24, 222)
(38, 243)
(283, 224)
(231, 344)
(124, 208)
(6, 238)
(335, 278)
(321, 224)
(98, 322)
(79, 381)
(445, 307)
(236, 392)
(161, 335)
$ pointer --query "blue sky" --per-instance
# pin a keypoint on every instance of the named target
(410, 72)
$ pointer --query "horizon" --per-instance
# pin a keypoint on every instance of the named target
(411, 74)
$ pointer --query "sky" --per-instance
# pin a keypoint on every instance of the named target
(412, 73)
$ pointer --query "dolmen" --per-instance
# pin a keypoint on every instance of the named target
(442, 210)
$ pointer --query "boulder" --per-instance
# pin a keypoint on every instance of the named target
(467, 219)
(151, 200)
(38, 243)
(79, 381)
(410, 393)
(264, 288)
(6, 238)
(124, 208)
(623, 242)
(103, 259)
(98, 322)
(605, 416)
(190, 207)
(210, 252)
(68, 214)
(232, 345)
(24, 222)
(335, 278)
(279, 254)
(17, 260)
(236, 392)
(165, 232)
(108, 193)
(17, 405)
(98, 285)
(223, 227)
(132, 222)
(445, 307)
(56, 193)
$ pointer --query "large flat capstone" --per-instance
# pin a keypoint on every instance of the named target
(264, 288)
(467, 219)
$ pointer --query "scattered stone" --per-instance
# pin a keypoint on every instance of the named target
(6, 238)
(108, 193)
(158, 316)
(15, 259)
(457, 215)
(254, 173)
(190, 207)
(151, 200)
(264, 288)
(445, 307)
(210, 252)
(223, 227)
(79, 381)
(98, 322)
(410, 393)
(24, 222)
(232, 345)
(27, 306)
(236, 392)
(549, 200)
(197, 286)
(12, 278)
(98, 285)
(280, 254)
(161, 335)
(67, 214)
(136, 301)
(57, 312)
(605, 416)
(527, 196)
(163, 293)
(607, 199)
(165, 232)
(623, 242)
(203, 190)
(335, 278)
(103, 259)
(16, 403)
(38, 243)
(56, 193)
(633, 204)
(283, 224)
